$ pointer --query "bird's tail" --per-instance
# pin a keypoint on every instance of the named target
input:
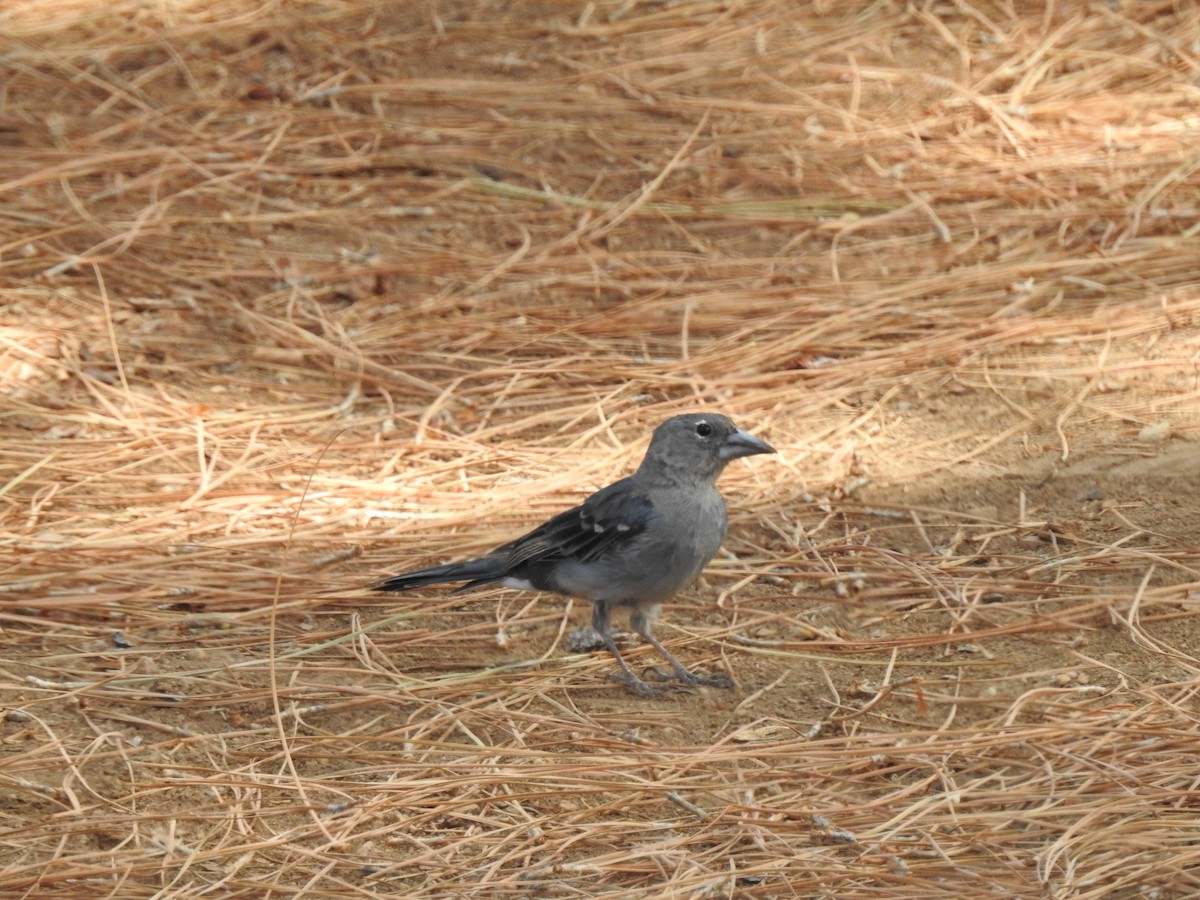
(475, 572)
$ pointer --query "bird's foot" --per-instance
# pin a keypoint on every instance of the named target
(687, 677)
(640, 688)
(714, 679)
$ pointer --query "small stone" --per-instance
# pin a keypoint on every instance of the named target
(1155, 433)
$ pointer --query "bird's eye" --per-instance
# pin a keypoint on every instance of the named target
(703, 429)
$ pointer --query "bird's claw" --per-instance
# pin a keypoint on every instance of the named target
(716, 679)
(659, 676)
(642, 689)
(687, 677)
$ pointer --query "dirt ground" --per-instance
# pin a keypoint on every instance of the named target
(293, 297)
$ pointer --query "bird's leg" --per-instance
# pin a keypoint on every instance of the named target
(640, 622)
(629, 678)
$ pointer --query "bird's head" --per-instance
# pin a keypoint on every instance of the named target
(697, 446)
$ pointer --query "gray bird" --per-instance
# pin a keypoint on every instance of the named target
(634, 543)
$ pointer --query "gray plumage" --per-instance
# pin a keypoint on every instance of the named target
(634, 543)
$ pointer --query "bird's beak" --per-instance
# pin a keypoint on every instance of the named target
(742, 443)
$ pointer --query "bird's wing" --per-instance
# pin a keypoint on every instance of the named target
(607, 520)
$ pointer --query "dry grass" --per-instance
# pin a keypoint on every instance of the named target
(297, 296)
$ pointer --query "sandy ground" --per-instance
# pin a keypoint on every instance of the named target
(295, 298)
